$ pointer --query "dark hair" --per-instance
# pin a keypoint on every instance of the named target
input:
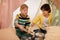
(46, 7)
(23, 6)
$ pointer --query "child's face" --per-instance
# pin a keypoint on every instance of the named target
(24, 11)
(45, 12)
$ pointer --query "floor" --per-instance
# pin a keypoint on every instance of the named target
(53, 33)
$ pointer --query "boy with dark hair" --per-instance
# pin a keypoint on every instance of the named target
(44, 19)
(46, 7)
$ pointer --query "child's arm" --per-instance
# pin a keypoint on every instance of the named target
(32, 24)
(28, 26)
(35, 20)
(51, 19)
(20, 27)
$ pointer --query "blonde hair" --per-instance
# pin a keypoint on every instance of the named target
(23, 6)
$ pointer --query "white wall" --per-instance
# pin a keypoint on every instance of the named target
(33, 7)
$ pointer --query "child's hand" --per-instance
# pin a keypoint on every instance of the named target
(29, 31)
(32, 24)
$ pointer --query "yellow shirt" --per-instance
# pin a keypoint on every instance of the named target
(40, 19)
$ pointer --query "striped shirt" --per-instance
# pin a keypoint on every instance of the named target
(22, 21)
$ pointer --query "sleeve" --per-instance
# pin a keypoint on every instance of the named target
(16, 20)
(51, 18)
(36, 19)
